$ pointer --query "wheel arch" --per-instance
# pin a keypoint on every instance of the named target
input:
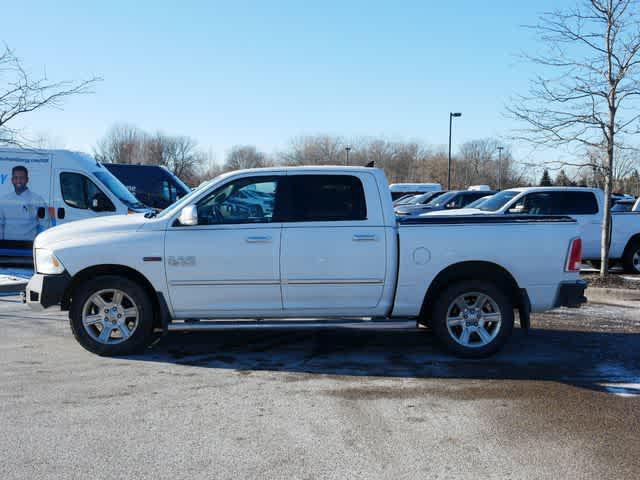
(633, 240)
(474, 270)
(160, 308)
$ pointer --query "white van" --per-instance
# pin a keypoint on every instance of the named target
(400, 189)
(43, 188)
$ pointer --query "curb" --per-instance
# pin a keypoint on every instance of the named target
(614, 296)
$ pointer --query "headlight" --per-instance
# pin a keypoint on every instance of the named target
(47, 263)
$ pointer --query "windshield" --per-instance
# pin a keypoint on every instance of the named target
(118, 189)
(478, 202)
(498, 201)
(442, 199)
(405, 199)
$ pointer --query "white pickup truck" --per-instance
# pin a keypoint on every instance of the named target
(314, 244)
(585, 205)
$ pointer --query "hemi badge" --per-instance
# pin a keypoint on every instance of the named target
(152, 259)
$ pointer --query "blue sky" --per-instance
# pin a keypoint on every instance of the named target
(261, 73)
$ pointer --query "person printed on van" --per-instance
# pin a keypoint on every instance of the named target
(19, 209)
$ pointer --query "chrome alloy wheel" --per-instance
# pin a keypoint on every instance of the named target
(110, 316)
(635, 260)
(474, 319)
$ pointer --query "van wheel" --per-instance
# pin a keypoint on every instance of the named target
(631, 258)
(473, 319)
(111, 315)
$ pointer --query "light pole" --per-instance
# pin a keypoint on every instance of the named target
(451, 115)
(499, 166)
(347, 149)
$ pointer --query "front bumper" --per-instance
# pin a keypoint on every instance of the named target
(571, 294)
(44, 291)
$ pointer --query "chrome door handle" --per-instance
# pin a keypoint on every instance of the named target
(263, 239)
(364, 237)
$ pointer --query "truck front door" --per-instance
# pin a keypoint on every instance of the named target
(228, 265)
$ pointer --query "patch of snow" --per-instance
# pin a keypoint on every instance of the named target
(622, 389)
(16, 272)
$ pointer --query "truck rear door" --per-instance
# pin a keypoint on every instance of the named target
(334, 251)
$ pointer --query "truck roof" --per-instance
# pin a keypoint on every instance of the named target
(552, 188)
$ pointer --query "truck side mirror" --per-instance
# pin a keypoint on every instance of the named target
(188, 215)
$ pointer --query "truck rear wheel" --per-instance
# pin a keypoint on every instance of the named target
(473, 319)
(111, 315)
(631, 258)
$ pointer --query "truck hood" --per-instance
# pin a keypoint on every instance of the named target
(85, 229)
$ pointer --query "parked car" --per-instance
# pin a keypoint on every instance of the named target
(585, 205)
(43, 188)
(153, 185)
(417, 200)
(623, 205)
(400, 189)
(480, 188)
(331, 249)
(448, 201)
(405, 198)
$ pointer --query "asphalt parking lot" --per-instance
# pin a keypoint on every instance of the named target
(560, 402)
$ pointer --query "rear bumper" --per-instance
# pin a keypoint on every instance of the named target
(44, 291)
(571, 294)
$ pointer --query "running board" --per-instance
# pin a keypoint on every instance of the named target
(290, 324)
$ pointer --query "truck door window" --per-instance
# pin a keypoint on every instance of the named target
(536, 203)
(578, 203)
(248, 200)
(317, 198)
(79, 191)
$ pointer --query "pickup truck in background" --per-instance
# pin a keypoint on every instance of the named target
(583, 204)
(330, 248)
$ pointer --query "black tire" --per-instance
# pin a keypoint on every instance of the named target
(140, 337)
(628, 263)
(500, 333)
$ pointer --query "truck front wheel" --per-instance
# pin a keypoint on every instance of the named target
(472, 318)
(111, 315)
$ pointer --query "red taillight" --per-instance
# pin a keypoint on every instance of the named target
(575, 256)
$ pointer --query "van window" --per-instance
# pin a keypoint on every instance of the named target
(79, 191)
(317, 198)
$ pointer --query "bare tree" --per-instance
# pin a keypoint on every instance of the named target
(588, 99)
(122, 144)
(20, 94)
(182, 157)
(315, 150)
(245, 156)
(479, 162)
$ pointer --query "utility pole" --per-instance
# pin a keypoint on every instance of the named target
(451, 115)
(347, 149)
(500, 167)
